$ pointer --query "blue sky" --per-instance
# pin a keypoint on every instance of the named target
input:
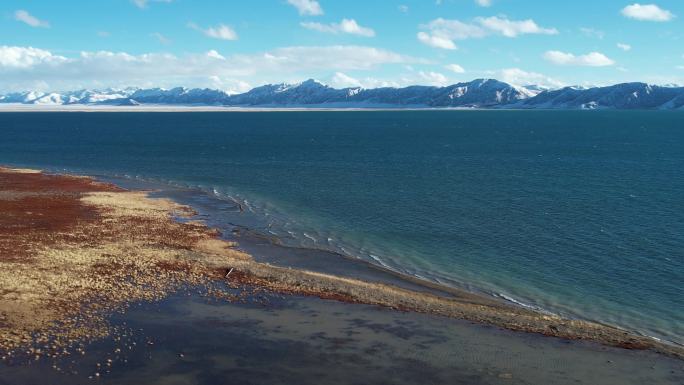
(235, 45)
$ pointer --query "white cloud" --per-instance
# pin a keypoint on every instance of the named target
(455, 68)
(680, 67)
(221, 31)
(214, 54)
(647, 12)
(403, 8)
(161, 38)
(519, 77)
(342, 80)
(436, 41)
(624, 47)
(143, 3)
(443, 32)
(26, 57)
(349, 26)
(434, 78)
(511, 28)
(307, 7)
(27, 18)
(228, 85)
(24, 67)
(484, 3)
(592, 59)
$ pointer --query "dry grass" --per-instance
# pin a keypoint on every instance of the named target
(72, 251)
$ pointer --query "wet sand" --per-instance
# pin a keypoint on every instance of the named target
(74, 251)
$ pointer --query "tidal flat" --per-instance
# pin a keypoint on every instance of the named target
(99, 282)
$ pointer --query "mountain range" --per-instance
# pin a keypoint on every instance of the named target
(479, 93)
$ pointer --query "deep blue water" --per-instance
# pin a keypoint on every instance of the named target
(577, 212)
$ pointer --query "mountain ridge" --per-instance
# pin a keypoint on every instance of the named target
(478, 93)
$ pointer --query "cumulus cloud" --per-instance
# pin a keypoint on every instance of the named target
(484, 3)
(647, 12)
(624, 47)
(27, 18)
(22, 67)
(592, 59)
(214, 54)
(403, 8)
(26, 57)
(519, 77)
(307, 7)
(435, 40)
(442, 33)
(455, 68)
(511, 28)
(349, 26)
(221, 31)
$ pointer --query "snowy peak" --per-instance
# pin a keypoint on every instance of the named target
(479, 93)
(619, 96)
(73, 97)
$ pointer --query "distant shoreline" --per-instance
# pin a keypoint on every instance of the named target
(18, 107)
(12, 107)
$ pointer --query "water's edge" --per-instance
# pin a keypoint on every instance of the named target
(238, 224)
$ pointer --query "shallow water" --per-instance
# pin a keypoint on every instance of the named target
(294, 340)
(575, 212)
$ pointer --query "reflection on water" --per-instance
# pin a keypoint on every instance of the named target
(189, 339)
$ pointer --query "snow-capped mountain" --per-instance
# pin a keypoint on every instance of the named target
(72, 97)
(619, 96)
(180, 95)
(309, 92)
(480, 93)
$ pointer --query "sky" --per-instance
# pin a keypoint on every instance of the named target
(235, 45)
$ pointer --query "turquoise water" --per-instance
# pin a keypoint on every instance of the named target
(575, 212)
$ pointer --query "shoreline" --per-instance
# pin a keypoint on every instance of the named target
(167, 108)
(268, 247)
(208, 108)
(192, 253)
